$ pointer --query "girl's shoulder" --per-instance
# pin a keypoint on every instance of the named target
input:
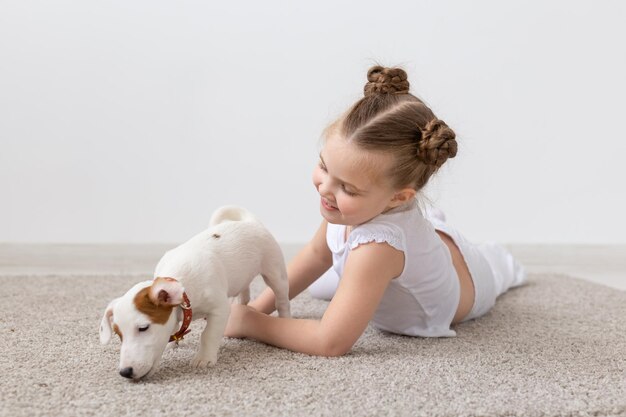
(391, 227)
(378, 231)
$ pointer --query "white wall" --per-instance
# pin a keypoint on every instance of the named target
(130, 121)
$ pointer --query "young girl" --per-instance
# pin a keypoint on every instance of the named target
(406, 271)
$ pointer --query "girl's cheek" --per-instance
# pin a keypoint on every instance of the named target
(343, 205)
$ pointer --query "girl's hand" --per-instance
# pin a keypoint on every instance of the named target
(236, 320)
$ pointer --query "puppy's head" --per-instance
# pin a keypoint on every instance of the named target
(143, 318)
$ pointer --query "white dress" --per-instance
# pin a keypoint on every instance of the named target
(423, 300)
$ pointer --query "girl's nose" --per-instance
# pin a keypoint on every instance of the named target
(323, 189)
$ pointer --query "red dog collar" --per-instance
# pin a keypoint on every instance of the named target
(187, 314)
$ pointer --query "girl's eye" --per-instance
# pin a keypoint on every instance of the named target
(349, 193)
(323, 167)
(144, 328)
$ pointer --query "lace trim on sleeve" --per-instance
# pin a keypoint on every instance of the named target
(386, 236)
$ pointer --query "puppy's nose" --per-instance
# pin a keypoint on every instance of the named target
(127, 372)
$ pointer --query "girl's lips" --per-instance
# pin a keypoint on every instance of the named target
(327, 205)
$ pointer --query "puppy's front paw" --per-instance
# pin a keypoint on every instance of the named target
(176, 345)
(201, 361)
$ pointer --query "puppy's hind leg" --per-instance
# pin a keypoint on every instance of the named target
(244, 296)
(212, 335)
(277, 281)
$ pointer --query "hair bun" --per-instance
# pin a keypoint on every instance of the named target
(383, 80)
(437, 144)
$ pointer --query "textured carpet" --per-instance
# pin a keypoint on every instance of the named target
(556, 347)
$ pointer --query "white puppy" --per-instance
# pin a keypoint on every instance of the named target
(198, 276)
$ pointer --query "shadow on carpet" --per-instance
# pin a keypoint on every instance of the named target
(555, 347)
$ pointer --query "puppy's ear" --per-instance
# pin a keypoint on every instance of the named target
(105, 324)
(166, 292)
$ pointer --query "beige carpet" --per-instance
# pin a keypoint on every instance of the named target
(556, 347)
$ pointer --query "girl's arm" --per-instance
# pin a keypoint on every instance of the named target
(307, 266)
(368, 270)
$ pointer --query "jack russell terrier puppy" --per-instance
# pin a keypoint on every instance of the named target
(198, 276)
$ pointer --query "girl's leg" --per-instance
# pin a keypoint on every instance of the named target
(493, 269)
(505, 273)
(325, 286)
(508, 273)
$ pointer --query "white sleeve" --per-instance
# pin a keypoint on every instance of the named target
(379, 233)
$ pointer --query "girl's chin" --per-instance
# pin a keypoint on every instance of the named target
(333, 219)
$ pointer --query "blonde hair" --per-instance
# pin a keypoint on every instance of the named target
(390, 119)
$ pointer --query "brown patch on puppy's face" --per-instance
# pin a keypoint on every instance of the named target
(158, 314)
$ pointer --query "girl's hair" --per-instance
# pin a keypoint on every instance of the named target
(390, 119)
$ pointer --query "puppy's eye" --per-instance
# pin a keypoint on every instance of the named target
(144, 328)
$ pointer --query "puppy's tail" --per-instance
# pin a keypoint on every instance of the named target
(231, 213)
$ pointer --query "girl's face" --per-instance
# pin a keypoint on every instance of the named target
(352, 184)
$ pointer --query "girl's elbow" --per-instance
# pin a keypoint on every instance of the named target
(335, 352)
(333, 349)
